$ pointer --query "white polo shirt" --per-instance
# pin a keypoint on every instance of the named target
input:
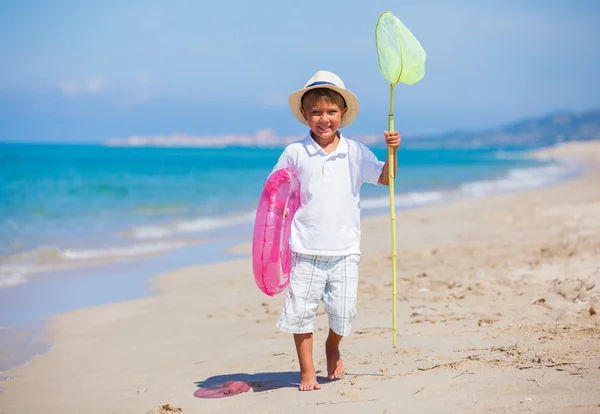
(327, 222)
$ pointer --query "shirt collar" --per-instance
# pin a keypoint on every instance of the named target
(313, 148)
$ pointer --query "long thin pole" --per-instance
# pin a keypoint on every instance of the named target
(392, 215)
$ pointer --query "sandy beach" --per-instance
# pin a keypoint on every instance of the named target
(497, 312)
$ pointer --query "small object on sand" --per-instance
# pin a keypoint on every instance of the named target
(541, 302)
(592, 310)
(419, 390)
(526, 400)
(223, 390)
(560, 364)
(168, 409)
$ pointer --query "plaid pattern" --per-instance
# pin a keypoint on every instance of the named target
(332, 279)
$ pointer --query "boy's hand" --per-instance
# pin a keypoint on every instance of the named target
(392, 139)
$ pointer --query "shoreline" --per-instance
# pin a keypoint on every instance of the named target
(137, 274)
(69, 292)
(144, 268)
(236, 283)
(230, 251)
(144, 240)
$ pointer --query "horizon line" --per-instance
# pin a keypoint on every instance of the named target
(274, 139)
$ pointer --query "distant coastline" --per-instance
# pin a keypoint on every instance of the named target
(529, 133)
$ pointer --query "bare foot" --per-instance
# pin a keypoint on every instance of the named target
(308, 381)
(335, 366)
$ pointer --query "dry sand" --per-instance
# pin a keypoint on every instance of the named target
(496, 301)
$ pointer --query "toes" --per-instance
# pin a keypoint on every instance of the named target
(338, 373)
(309, 387)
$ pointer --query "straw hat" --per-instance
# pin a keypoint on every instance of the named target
(324, 79)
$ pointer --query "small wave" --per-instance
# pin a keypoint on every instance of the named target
(518, 179)
(413, 199)
(190, 226)
(13, 275)
(124, 251)
(14, 269)
(514, 180)
(51, 255)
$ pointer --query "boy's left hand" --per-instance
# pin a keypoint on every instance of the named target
(392, 139)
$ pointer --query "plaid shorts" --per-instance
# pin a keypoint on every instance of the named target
(332, 279)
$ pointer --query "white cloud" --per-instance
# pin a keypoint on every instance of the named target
(90, 87)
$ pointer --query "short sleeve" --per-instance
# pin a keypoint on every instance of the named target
(370, 167)
(283, 162)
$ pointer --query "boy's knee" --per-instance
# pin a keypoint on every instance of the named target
(341, 322)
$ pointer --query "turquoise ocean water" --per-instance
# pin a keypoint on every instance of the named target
(67, 209)
(64, 205)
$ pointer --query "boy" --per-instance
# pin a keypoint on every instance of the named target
(325, 236)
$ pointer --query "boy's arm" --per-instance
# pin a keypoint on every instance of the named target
(392, 140)
(283, 162)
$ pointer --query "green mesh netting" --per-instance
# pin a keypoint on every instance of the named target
(401, 57)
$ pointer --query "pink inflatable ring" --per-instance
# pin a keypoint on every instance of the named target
(271, 254)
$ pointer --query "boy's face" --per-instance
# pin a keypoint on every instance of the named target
(323, 117)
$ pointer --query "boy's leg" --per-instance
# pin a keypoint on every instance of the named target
(308, 374)
(335, 366)
(340, 304)
(307, 283)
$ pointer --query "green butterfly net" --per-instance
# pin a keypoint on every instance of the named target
(401, 57)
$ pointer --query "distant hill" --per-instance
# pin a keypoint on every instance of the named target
(528, 133)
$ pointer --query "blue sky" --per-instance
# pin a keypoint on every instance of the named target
(87, 71)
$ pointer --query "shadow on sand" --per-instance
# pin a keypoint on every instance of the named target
(227, 385)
